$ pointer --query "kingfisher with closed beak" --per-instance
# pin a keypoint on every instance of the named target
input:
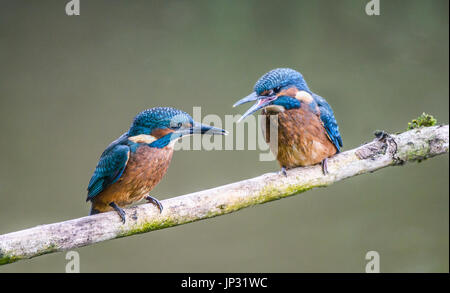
(133, 165)
(307, 130)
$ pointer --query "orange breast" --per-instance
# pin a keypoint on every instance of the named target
(302, 139)
(145, 169)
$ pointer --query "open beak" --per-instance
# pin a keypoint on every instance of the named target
(250, 98)
(206, 129)
(261, 102)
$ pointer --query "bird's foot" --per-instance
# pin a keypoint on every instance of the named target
(283, 171)
(120, 211)
(325, 166)
(154, 201)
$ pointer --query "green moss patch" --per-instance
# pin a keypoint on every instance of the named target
(424, 120)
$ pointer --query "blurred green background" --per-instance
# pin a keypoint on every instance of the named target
(71, 85)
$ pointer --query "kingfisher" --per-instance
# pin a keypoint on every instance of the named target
(308, 133)
(132, 165)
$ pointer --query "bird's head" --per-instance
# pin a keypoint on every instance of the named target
(163, 125)
(278, 89)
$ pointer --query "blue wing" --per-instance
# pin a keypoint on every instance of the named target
(110, 167)
(329, 122)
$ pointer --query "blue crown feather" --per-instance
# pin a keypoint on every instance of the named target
(280, 77)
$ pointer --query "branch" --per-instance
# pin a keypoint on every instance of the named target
(386, 150)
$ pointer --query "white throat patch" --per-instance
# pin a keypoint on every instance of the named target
(304, 96)
(143, 138)
(275, 108)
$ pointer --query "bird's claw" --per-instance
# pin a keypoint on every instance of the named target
(120, 211)
(283, 171)
(325, 166)
(151, 199)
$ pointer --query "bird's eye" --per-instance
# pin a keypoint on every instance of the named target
(277, 89)
(176, 126)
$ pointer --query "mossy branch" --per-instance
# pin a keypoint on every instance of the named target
(385, 150)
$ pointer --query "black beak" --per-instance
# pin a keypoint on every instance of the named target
(262, 101)
(206, 129)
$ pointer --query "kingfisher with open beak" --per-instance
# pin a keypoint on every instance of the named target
(307, 130)
(135, 163)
